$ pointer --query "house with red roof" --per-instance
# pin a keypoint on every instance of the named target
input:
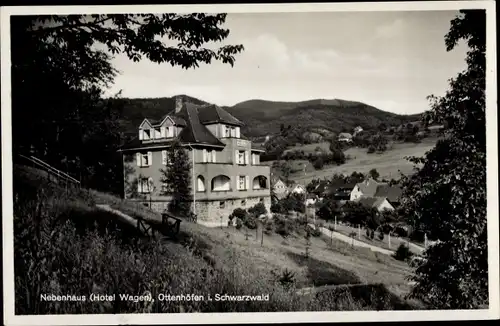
(226, 169)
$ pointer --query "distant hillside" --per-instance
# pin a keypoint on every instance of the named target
(265, 117)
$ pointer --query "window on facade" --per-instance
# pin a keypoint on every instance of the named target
(241, 182)
(145, 185)
(146, 134)
(227, 131)
(165, 188)
(233, 132)
(221, 183)
(240, 157)
(209, 156)
(200, 183)
(144, 159)
(254, 158)
(165, 158)
(157, 132)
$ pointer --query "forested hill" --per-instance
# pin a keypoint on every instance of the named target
(265, 117)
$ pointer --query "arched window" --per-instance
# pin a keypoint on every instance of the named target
(200, 183)
(221, 183)
(260, 182)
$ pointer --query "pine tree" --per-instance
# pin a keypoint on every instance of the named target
(177, 177)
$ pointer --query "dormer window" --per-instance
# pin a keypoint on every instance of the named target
(231, 132)
(157, 133)
(145, 134)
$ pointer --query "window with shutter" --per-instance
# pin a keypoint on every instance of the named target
(237, 132)
(141, 134)
(163, 132)
(247, 182)
(236, 157)
(164, 157)
(247, 160)
(139, 186)
(227, 131)
(138, 158)
(204, 156)
(150, 158)
(213, 156)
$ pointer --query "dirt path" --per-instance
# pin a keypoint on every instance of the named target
(354, 242)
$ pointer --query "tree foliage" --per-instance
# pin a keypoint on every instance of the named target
(177, 177)
(446, 197)
(61, 64)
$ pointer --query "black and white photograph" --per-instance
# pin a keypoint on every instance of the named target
(220, 163)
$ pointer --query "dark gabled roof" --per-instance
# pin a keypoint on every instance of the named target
(371, 201)
(195, 131)
(212, 113)
(393, 193)
(368, 187)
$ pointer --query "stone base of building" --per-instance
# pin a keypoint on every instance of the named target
(214, 213)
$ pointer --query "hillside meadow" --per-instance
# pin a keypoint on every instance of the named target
(389, 163)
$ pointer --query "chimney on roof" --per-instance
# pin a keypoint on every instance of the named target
(179, 102)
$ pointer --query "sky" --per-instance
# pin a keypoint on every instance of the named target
(390, 60)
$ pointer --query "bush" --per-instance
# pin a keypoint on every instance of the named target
(403, 253)
(239, 223)
(381, 236)
(239, 213)
(371, 149)
(258, 210)
(251, 222)
(318, 163)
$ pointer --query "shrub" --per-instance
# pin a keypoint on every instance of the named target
(318, 163)
(257, 210)
(403, 252)
(239, 213)
(381, 235)
(251, 222)
(371, 149)
(239, 223)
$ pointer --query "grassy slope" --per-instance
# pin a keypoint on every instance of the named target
(332, 262)
(198, 249)
(388, 164)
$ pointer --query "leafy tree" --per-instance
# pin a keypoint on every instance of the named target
(446, 197)
(318, 163)
(373, 173)
(328, 208)
(60, 64)
(177, 177)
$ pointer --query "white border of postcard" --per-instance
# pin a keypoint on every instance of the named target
(290, 317)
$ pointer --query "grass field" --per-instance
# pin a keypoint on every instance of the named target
(311, 148)
(389, 164)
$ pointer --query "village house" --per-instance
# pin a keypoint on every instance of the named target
(225, 168)
(280, 189)
(380, 203)
(373, 188)
(345, 137)
(357, 130)
(297, 189)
